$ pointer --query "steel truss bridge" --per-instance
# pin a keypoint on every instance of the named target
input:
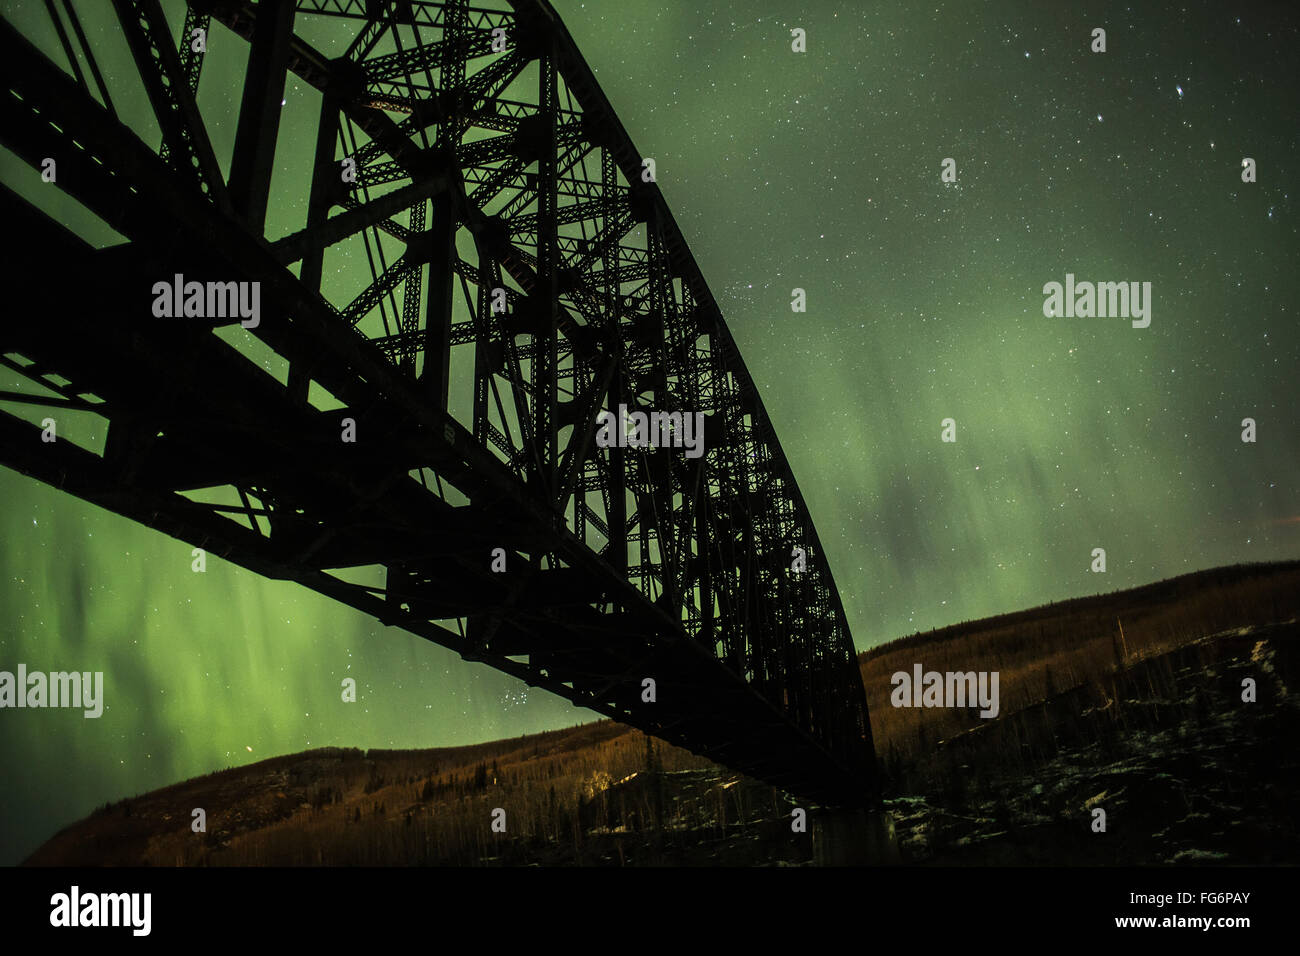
(486, 158)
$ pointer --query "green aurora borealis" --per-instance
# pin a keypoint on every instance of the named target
(819, 171)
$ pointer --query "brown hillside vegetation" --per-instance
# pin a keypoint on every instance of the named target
(1044, 651)
(351, 807)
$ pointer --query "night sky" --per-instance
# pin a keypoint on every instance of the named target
(822, 171)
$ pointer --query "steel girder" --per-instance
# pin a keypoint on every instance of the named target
(501, 174)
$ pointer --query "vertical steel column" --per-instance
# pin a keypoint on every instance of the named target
(442, 235)
(616, 493)
(490, 356)
(437, 316)
(545, 304)
(259, 113)
(326, 188)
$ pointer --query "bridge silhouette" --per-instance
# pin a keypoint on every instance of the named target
(482, 265)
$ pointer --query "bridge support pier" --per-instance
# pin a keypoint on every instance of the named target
(853, 838)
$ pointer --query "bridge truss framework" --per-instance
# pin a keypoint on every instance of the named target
(486, 158)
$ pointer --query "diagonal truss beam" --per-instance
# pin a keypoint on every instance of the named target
(153, 49)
